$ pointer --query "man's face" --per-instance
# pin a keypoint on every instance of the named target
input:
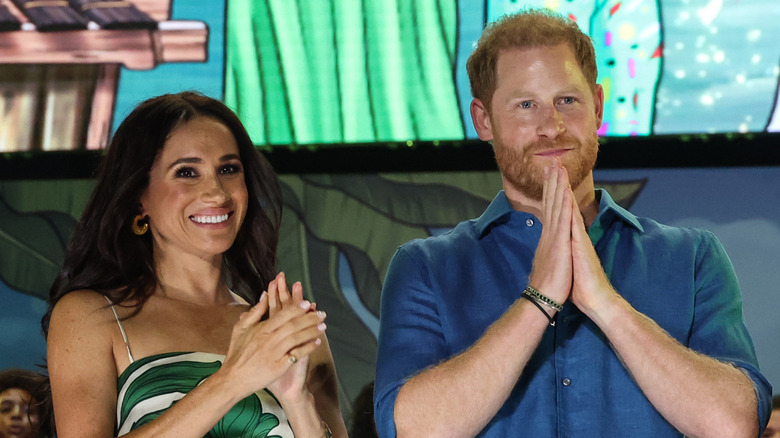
(773, 428)
(543, 108)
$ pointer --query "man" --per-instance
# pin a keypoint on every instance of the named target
(557, 312)
(773, 428)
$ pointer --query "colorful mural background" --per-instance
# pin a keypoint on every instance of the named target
(346, 71)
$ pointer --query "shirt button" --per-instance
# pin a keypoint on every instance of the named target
(566, 382)
(529, 222)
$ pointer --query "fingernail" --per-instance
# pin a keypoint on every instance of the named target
(322, 327)
(321, 314)
(263, 296)
(305, 305)
(317, 341)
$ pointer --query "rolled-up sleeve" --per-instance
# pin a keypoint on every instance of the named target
(719, 330)
(410, 334)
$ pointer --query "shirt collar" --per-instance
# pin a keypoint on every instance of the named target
(498, 209)
(609, 210)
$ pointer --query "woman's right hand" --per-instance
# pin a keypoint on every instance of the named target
(260, 351)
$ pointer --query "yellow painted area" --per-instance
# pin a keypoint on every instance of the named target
(627, 31)
(606, 84)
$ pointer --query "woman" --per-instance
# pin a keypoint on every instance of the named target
(151, 332)
(21, 412)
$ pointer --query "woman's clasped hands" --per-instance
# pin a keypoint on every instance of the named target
(273, 353)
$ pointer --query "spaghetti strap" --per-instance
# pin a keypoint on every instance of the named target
(121, 330)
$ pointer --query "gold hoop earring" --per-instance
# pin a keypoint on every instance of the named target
(140, 225)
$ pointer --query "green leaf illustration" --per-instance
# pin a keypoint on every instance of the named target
(32, 247)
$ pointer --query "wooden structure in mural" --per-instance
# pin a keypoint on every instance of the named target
(60, 64)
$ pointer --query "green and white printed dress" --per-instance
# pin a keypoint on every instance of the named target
(149, 386)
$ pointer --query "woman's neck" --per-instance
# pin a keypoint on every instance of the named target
(192, 279)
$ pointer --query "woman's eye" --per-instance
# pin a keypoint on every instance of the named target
(186, 172)
(230, 169)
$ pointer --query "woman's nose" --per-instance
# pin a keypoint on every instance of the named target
(214, 189)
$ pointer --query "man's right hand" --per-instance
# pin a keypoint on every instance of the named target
(552, 269)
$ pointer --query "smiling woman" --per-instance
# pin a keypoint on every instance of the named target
(196, 200)
(168, 317)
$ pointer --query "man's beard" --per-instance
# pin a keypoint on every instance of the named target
(528, 177)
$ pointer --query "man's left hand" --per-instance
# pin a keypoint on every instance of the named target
(591, 290)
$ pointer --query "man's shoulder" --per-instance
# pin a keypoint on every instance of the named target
(653, 225)
(461, 235)
(656, 230)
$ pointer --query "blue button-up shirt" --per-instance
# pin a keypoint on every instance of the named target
(441, 294)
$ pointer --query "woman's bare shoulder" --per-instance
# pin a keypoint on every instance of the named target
(80, 308)
(81, 364)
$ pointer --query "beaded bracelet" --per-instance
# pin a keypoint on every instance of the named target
(539, 306)
(549, 302)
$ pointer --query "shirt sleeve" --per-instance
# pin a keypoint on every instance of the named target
(719, 329)
(410, 333)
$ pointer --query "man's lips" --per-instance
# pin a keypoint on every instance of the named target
(552, 152)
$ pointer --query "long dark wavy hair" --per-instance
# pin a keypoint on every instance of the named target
(105, 256)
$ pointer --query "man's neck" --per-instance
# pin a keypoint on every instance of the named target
(585, 194)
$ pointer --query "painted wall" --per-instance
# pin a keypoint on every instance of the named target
(339, 232)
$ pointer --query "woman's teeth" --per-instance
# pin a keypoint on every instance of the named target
(210, 219)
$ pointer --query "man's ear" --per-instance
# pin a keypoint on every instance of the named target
(481, 119)
(598, 100)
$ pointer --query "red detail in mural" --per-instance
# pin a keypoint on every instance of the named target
(614, 9)
(659, 51)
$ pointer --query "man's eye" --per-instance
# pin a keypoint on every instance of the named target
(525, 104)
(568, 100)
(186, 172)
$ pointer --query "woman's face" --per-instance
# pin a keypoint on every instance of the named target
(17, 418)
(197, 197)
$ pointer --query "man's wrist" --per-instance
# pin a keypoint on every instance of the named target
(538, 297)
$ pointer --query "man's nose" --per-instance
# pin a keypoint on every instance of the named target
(550, 123)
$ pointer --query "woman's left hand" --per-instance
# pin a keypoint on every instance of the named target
(291, 386)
